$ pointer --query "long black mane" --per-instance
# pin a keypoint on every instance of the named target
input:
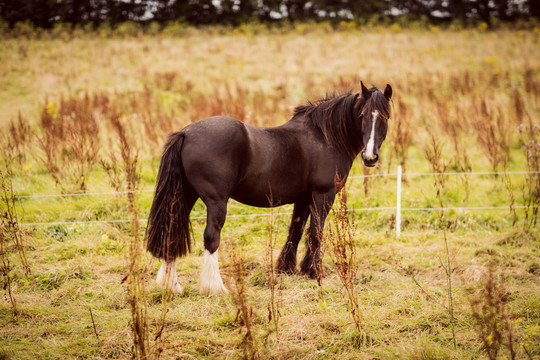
(378, 101)
(338, 117)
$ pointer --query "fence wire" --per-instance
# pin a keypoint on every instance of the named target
(276, 214)
(34, 196)
(382, 208)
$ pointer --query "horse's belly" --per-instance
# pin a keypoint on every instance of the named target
(266, 196)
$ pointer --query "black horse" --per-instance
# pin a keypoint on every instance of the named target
(296, 163)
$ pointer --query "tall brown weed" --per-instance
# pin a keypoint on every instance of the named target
(439, 166)
(244, 310)
(491, 321)
(341, 235)
(70, 141)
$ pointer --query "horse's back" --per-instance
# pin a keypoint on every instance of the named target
(277, 168)
(216, 130)
(214, 151)
(224, 157)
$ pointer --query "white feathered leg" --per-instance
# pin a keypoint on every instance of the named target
(210, 281)
(167, 278)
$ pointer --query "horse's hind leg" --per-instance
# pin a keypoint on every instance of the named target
(287, 259)
(166, 277)
(210, 280)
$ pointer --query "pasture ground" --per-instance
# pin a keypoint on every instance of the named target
(451, 88)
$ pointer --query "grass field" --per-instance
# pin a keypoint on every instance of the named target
(89, 115)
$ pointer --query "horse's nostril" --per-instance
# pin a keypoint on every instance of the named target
(370, 162)
(371, 159)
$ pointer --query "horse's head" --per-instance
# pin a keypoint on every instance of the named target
(374, 113)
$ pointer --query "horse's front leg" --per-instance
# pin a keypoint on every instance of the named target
(320, 206)
(287, 259)
(210, 282)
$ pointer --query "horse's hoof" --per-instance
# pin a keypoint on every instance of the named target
(215, 290)
(210, 282)
(166, 279)
(176, 289)
(286, 271)
(286, 264)
(282, 269)
(312, 273)
(173, 287)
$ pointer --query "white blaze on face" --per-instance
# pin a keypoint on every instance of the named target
(369, 154)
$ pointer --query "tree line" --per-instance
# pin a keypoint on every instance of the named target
(45, 13)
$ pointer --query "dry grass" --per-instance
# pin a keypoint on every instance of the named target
(470, 90)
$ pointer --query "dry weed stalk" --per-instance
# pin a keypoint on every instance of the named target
(19, 139)
(155, 122)
(341, 233)
(401, 135)
(9, 217)
(10, 233)
(318, 253)
(167, 294)
(494, 136)
(454, 128)
(366, 179)
(136, 270)
(157, 348)
(509, 186)
(449, 123)
(112, 168)
(165, 80)
(439, 166)
(532, 86)
(6, 269)
(222, 102)
(254, 106)
(463, 82)
(273, 306)
(530, 139)
(492, 323)
(93, 323)
(244, 313)
(70, 140)
(517, 106)
(462, 164)
(492, 131)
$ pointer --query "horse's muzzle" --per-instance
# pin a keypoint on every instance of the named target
(370, 162)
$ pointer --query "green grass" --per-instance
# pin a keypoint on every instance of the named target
(76, 267)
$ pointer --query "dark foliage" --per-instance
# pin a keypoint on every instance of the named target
(45, 13)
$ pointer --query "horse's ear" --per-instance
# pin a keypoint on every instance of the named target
(365, 92)
(388, 91)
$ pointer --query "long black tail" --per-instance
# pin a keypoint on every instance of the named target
(168, 234)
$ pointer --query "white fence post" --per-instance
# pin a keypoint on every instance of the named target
(398, 203)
